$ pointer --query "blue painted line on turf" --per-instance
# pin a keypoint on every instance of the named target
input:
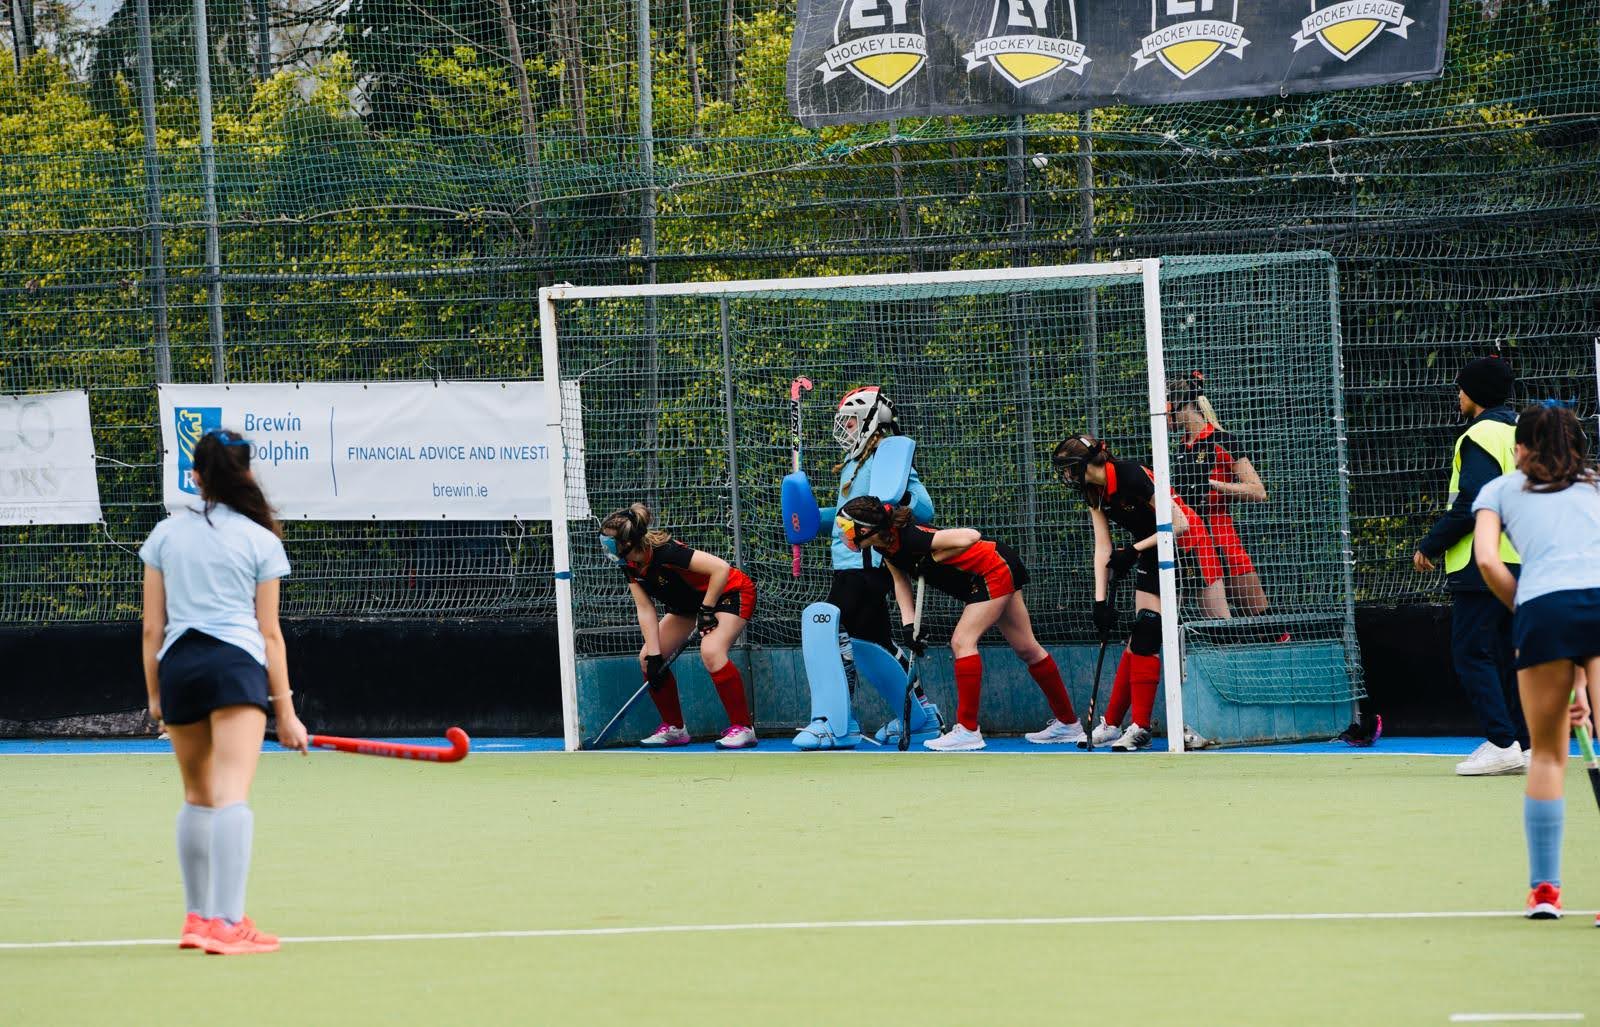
(489, 746)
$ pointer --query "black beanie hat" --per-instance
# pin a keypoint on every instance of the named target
(1486, 381)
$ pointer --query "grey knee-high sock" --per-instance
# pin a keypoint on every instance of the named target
(194, 855)
(232, 829)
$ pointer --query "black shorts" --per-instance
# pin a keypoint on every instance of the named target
(199, 674)
(1558, 626)
(1146, 574)
(741, 602)
(861, 595)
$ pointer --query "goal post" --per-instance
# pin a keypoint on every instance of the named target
(684, 405)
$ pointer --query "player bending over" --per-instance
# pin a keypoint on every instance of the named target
(1550, 510)
(988, 577)
(701, 592)
(1123, 491)
(214, 664)
(1210, 473)
(858, 623)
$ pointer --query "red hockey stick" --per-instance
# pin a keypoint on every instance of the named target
(455, 752)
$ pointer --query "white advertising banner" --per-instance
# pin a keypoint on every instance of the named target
(47, 473)
(396, 451)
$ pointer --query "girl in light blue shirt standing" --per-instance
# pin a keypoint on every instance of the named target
(1550, 509)
(214, 664)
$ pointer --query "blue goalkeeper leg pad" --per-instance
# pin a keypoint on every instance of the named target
(889, 676)
(831, 725)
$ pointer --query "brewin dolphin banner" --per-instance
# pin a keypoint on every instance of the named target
(870, 60)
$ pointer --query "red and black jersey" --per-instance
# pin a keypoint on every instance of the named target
(1126, 497)
(1209, 454)
(985, 570)
(668, 580)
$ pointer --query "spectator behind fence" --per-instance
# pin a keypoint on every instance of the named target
(1550, 509)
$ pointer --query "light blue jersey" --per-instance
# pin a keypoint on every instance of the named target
(210, 571)
(1557, 534)
(857, 481)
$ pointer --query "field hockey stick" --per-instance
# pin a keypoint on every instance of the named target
(912, 673)
(455, 752)
(611, 724)
(795, 386)
(1586, 746)
(1099, 665)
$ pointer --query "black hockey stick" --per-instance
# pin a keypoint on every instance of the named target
(649, 683)
(912, 674)
(1099, 665)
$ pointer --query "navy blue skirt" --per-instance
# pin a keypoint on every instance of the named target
(199, 674)
(1557, 626)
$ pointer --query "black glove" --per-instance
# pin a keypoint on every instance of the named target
(707, 620)
(909, 639)
(1122, 560)
(655, 665)
(1105, 618)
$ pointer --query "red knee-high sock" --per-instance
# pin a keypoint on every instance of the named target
(1146, 674)
(969, 686)
(1048, 677)
(730, 688)
(1121, 692)
(665, 696)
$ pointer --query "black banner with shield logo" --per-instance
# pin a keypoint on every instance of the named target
(870, 60)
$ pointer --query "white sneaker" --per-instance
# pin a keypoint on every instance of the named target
(957, 739)
(1135, 737)
(666, 734)
(1104, 734)
(1489, 758)
(1057, 733)
(737, 737)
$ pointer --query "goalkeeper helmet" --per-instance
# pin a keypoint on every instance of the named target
(862, 414)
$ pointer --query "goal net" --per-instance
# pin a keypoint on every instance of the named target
(685, 406)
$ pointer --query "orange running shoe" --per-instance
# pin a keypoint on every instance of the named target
(242, 938)
(1544, 902)
(195, 929)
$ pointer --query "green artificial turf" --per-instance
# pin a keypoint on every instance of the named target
(355, 846)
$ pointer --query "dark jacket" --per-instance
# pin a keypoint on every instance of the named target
(1478, 468)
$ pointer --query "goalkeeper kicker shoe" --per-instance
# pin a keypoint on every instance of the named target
(1104, 734)
(1134, 738)
(1544, 902)
(737, 736)
(889, 734)
(819, 734)
(958, 739)
(666, 735)
(1057, 733)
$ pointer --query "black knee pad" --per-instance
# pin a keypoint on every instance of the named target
(1145, 640)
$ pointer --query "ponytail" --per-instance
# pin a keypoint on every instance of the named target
(1557, 449)
(222, 463)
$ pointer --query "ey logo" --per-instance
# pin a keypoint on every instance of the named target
(880, 42)
(1187, 35)
(1030, 40)
(191, 424)
(1345, 27)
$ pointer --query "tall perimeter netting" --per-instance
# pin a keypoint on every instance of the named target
(685, 406)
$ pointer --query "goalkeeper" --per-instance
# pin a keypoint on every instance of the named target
(701, 592)
(1124, 492)
(859, 590)
(986, 576)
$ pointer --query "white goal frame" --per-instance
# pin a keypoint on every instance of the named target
(1148, 271)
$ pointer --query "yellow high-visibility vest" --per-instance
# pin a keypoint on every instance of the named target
(1499, 440)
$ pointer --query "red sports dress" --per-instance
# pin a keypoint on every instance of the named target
(1211, 454)
(668, 580)
(985, 570)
